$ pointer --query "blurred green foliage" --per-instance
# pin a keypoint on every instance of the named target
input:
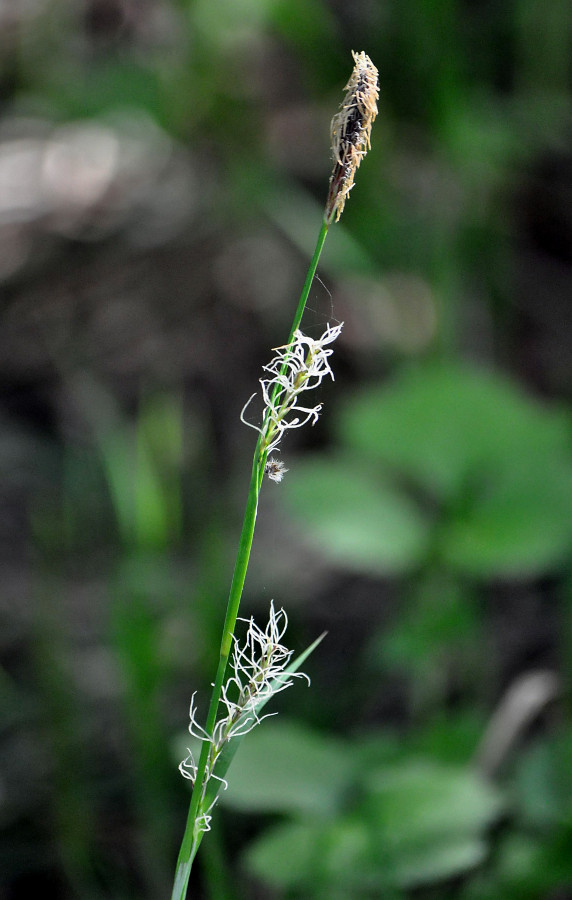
(358, 829)
(163, 170)
(490, 469)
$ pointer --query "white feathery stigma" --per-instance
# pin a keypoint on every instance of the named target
(258, 672)
(297, 367)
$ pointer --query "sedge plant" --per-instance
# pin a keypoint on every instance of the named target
(261, 666)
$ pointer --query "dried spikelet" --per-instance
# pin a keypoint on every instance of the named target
(351, 132)
(275, 469)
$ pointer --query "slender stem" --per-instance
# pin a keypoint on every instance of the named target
(309, 279)
(298, 315)
(193, 835)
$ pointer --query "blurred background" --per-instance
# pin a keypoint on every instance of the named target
(163, 170)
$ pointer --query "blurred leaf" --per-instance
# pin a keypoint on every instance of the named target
(419, 824)
(419, 800)
(284, 856)
(357, 520)
(335, 857)
(498, 463)
(287, 768)
(442, 859)
(432, 817)
(444, 425)
(439, 620)
(520, 526)
(542, 786)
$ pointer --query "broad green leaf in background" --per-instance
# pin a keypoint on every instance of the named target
(285, 855)
(497, 465)
(418, 800)
(440, 860)
(542, 785)
(520, 526)
(417, 823)
(357, 519)
(432, 817)
(331, 856)
(446, 425)
(285, 767)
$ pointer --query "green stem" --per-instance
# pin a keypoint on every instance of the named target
(192, 836)
(299, 313)
(309, 279)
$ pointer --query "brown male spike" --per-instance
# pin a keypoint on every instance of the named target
(351, 132)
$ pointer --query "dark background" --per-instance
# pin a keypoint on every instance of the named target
(163, 170)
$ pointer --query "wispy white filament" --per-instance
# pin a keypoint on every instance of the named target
(297, 367)
(258, 672)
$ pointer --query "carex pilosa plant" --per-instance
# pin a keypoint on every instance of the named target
(250, 672)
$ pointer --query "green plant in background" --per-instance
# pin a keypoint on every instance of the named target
(444, 495)
(449, 476)
(453, 466)
(361, 817)
(261, 667)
